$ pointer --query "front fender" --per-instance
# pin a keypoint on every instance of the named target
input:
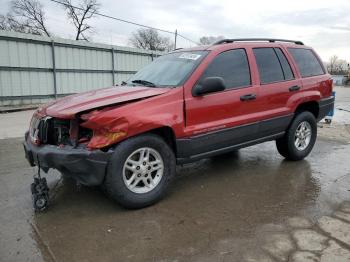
(112, 126)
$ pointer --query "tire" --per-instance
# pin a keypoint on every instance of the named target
(286, 145)
(118, 172)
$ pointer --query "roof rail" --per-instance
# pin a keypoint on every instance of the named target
(271, 40)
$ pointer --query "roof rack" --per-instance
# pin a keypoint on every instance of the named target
(271, 40)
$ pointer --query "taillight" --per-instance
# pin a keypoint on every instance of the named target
(327, 87)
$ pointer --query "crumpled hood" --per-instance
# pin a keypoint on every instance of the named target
(68, 106)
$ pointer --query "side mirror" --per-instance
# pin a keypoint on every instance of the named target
(209, 85)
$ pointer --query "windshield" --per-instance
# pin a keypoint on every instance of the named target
(168, 70)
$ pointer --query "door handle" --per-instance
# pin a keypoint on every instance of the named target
(294, 88)
(248, 97)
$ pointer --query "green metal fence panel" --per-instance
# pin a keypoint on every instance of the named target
(22, 54)
(79, 82)
(130, 62)
(25, 83)
(35, 69)
(74, 58)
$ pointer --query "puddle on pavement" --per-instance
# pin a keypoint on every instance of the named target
(226, 197)
(342, 113)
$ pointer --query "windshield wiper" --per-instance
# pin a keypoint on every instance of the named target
(143, 82)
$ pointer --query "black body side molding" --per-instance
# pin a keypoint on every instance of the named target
(228, 139)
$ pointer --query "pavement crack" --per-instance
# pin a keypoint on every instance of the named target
(40, 238)
(341, 219)
(339, 242)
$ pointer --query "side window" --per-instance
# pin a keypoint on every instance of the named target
(270, 69)
(307, 62)
(287, 71)
(232, 66)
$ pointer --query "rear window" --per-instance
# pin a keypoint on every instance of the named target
(307, 62)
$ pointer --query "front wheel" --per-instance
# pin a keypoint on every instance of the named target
(140, 171)
(300, 138)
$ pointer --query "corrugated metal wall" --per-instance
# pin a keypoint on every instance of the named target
(35, 69)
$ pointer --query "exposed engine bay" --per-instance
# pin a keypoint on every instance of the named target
(55, 131)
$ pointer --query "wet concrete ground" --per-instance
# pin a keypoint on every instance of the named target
(250, 205)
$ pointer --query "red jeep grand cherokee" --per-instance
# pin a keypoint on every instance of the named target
(186, 105)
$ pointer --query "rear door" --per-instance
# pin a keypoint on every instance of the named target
(278, 84)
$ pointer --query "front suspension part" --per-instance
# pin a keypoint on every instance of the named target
(40, 192)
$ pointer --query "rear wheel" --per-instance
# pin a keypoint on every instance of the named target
(300, 138)
(140, 171)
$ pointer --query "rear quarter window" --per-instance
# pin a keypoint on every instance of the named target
(307, 62)
(287, 70)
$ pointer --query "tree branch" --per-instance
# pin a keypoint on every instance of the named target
(29, 14)
(79, 17)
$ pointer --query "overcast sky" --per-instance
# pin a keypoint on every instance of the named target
(322, 24)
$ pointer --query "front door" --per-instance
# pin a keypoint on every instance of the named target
(222, 119)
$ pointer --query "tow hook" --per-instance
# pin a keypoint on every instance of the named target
(40, 192)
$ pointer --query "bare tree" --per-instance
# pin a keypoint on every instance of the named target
(332, 64)
(208, 40)
(27, 16)
(9, 23)
(3, 22)
(342, 67)
(336, 66)
(151, 40)
(79, 17)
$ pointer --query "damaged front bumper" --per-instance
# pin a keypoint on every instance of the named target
(86, 167)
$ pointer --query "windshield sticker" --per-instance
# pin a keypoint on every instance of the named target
(189, 56)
